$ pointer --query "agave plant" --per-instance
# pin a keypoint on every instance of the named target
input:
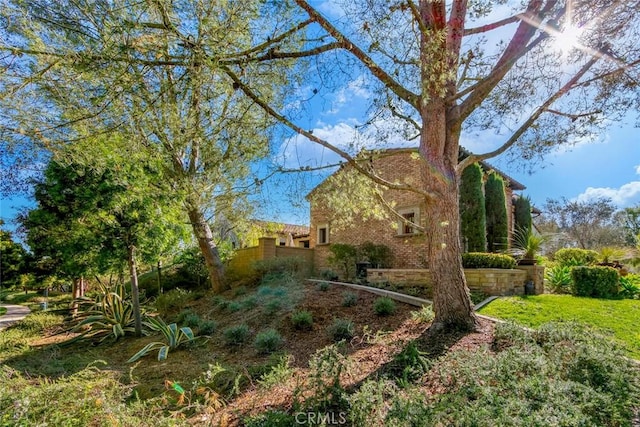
(109, 314)
(528, 242)
(174, 338)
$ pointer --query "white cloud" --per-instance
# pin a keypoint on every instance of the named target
(625, 195)
(346, 95)
(299, 151)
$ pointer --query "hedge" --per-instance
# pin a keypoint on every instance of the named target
(485, 260)
(574, 256)
(596, 282)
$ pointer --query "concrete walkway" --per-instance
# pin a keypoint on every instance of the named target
(14, 313)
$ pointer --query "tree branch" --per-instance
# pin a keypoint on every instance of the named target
(346, 44)
(288, 123)
(571, 84)
(492, 26)
(517, 47)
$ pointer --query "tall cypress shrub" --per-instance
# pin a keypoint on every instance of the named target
(472, 210)
(496, 209)
(522, 215)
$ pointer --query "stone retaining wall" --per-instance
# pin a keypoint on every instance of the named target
(491, 281)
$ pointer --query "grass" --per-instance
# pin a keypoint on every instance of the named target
(3, 311)
(616, 317)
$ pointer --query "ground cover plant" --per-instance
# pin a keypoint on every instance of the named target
(388, 371)
(618, 318)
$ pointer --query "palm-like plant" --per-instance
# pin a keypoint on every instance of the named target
(109, 314)
(528, 242)
(174, 338)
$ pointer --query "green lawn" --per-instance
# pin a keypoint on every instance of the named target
(621, 318)
(2, 311)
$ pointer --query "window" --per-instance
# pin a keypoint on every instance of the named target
(410, 216)
(303, 243)
(323, 234)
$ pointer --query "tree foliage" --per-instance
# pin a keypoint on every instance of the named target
(153, 71)
(13, 258)
(587, 224)
(522, 215)
(473, 220)
(497, 220)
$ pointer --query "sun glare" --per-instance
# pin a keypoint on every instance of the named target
(568, 39)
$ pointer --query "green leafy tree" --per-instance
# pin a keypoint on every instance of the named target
(497, 220)
(629, 221)
(522, 215)
(13, 259)
(92, 219)
(147, 69)
(473, 220)
(588, 224)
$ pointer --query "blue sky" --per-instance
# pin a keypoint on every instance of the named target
(609, 167)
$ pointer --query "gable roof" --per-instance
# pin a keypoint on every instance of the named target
(463, 153)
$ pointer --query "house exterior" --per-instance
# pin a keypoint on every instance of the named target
(291, 235)
(408, 245)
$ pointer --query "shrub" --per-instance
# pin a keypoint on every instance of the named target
(189, 318)
(277, 372)
(173, 300)
(349, 299)
(341, 329)
(109, 315)
(424, 315)
(234, 306)
(409, 365)
(473, 217)
(486, 260)
(384, 306)
(268, 341)
(380, 256)
(206, 327)
(344, 257)
(522, 214)
(630, 286)
(302, 320)
(596, 282)
(575, 257)
(328, 274)
(323, 286)
(273, 306)
(249, 302)
(496, 209)
(236, 335)
(558, 278)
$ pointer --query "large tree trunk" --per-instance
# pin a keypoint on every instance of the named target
(135, 294)
(451, 301)
(439, 145)
(208, 248)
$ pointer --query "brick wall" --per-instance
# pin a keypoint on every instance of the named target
(409, 251)
(491, 281)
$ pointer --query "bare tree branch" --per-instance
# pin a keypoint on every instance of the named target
(571, 84)
(288, 123)
(347, 44)
(492, 26)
